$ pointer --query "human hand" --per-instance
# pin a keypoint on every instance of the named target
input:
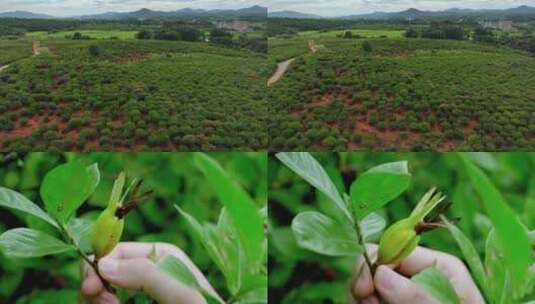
(129, 266)
(395, 287)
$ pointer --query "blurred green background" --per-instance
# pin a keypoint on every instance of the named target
(174, 178)
(300, 276)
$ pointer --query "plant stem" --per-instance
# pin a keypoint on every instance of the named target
(93, 264)
(367, 259)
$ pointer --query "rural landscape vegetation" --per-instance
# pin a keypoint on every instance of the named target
(455, 79)
(189, 79)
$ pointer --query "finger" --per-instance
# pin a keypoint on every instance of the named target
(452, 267)
(362, 282)
(422, 258)
(105, 298)
(91, 284)
(370, 300)
(395, 288)
(133, 250)
(143, 275)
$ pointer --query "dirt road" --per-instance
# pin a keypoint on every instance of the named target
(36, 48)
(283, 66)
(36, 51)
(281, 69)
(312, 46)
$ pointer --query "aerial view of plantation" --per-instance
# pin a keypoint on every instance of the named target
(454, 79)
(149, 79)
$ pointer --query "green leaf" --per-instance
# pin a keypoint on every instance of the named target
(470, 255)
(372, 225)
(437, 285)
(66, 187)
(321, 234)
(14, 200)
(224, 249)
(378, 186)
(193, 223)
(94, 177)
(174, 267)
(50, 297)
(499, 283)
(229, 254)
(255, 296)
(241, 208)
(483, 159)
(29, 243)
(511, 236)
(308, 168)
(282, 239)
(80, 230)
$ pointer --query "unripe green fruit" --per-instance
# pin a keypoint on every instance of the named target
(398, 241)
(108, 228)
(106, 233)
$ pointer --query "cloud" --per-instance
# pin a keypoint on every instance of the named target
(81, 7)
(347, 7)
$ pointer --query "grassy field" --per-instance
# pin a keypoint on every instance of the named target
(12, 50)
(94, 34)
(365, 33)
(403, 94)
(281, 49)
(132, 94)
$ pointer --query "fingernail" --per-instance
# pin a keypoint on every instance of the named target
(108, 267)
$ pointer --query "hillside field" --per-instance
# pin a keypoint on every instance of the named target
(95, 34)
(401, 93)
(130, 94)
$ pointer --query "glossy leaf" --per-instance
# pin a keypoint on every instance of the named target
(94, 177)
(378, 186)
(29, 243)
(80, 230)
(470, 255)
(66, 187)
(241, 208)
(372, 225)
(14, 200)
(499, 283)
(255, 296)
(308, 168)
(437, 285)
(174, 267)
(321, 234)
(222, 248)
(511, 236)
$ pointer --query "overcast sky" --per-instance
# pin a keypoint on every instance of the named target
(348, 7)
(81, 7)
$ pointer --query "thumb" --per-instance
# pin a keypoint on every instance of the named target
(142, 275)
(395, 288)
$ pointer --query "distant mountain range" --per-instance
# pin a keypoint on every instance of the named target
(143, 14)
(413, 13)
(24, 15)
(293, 14)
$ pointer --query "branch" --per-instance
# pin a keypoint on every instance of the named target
(93, 264)
(371, 266)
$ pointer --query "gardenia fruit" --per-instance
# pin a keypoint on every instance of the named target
(400, 239)
(108, 228)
